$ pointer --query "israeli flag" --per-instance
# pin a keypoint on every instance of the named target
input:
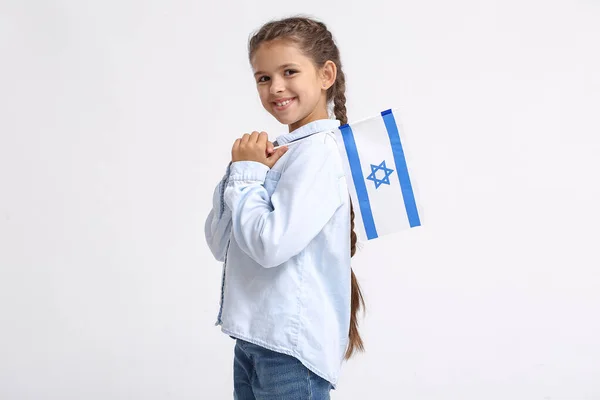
(377, 175)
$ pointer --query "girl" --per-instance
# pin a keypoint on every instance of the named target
(282, 223)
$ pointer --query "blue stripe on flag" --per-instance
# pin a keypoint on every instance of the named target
(401, 168)
(359, 181)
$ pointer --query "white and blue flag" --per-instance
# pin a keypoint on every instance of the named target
(378, 176)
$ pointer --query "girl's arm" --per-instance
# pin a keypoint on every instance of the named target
(310, 190)
(217, 227)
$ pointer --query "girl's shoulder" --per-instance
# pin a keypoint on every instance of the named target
(324, 141)
(320, 147)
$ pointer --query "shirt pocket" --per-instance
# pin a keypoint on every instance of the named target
(271, 181)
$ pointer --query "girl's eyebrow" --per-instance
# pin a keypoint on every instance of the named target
(281, 67)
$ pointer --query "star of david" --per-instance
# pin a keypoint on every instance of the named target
(381, 167)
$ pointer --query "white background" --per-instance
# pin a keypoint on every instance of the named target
(116, 121)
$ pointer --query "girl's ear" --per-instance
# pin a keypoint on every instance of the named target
(328, 74)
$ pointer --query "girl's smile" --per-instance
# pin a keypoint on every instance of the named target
(283, 104)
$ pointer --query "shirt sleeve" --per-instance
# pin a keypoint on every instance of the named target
(217, 228)
(273, 230)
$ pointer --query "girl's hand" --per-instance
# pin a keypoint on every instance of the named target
(256, 147)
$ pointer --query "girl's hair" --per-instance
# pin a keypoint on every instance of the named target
(316, 42)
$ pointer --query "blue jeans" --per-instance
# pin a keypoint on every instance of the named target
(262, 374)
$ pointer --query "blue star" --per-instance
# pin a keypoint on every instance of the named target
(373, 176)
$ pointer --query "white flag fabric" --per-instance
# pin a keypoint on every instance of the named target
(378, 177)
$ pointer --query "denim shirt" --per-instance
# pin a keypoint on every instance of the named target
(284, 237)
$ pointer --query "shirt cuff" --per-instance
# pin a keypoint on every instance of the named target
(248, 171)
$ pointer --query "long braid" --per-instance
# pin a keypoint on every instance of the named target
(356, 299)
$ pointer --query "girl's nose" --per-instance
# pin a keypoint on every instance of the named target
(277, 86)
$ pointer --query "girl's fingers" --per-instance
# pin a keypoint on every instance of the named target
(276, 156)
(270, 148)
(263, 138)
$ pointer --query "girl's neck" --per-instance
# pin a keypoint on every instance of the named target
(317, 114)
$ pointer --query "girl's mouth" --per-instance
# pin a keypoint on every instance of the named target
(280, 106)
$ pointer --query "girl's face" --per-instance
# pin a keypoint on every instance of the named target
(290, 87)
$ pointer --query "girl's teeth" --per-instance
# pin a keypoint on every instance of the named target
(284, 103)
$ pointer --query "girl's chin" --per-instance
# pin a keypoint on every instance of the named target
(287, 120)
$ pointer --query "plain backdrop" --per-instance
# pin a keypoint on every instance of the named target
(116, 122)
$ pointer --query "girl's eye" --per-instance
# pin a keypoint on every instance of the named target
(264, 78)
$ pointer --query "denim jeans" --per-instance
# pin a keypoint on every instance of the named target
(262, 374)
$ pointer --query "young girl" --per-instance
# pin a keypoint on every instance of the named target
(282, 223)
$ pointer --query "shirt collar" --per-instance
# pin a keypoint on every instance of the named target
(313, 127)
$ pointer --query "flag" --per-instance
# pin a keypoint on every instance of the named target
(378, 177)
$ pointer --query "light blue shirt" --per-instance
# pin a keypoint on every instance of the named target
(284, 237)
